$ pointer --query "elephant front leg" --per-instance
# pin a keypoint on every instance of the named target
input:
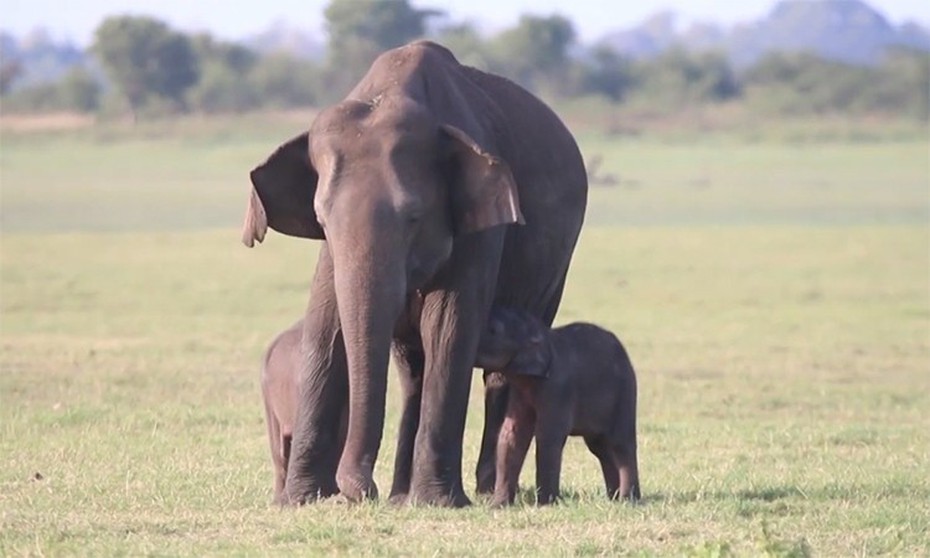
(410, 362)
(495, 408)
(318, 435)
(454, 314)
(512, 445)
(437, 457)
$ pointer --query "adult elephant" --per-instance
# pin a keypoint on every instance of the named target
(412, 181)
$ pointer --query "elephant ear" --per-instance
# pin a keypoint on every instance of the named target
(282, 194)
(534, 339)
(534, 360)
(483, 190)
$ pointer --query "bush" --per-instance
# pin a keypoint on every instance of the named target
(281, 80)
(222, 89)
(77, 91)
(801, 84)
(678, 79)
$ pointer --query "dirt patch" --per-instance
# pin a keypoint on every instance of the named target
(45, 122)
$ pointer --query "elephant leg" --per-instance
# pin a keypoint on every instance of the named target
(495, 408)
(451, 322)
(624, 454)
(551, 432)
(604, 453)
(285, 442)
(495, 403)
(410, 362)
(552, 305)
(623, 444)
(278, 459)
(317, 439)
(516, 432)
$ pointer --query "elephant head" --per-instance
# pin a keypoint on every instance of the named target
(389, 182)
(515, 342)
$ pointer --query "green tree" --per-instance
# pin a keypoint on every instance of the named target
(465, 42)
(221, 89)
(535, 52)
(145, 59)
(359, 30)
(9, 71)
(78, 90)
(236, 57)
(904, 84)
(33, 99)
(223, 84)
(678, 78)
(281, 80)
(608, 74)
(802, 83)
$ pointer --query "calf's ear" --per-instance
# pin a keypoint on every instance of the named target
(535, 360)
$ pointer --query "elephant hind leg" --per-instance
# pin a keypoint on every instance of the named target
(278, 461)
(625, 457)
(281, 457)
(286, 450)
(599, 447)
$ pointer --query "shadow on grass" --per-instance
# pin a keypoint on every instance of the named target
(889, 488)
(526, 496)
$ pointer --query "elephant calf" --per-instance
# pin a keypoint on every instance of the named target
(574, 380)
(280, 369)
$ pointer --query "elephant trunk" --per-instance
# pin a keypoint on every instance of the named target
(370, 287)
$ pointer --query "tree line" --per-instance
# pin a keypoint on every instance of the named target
(152, 69)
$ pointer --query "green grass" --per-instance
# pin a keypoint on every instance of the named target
(775, 300)
(194, 175)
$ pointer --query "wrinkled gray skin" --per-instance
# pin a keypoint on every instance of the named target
(418, 182)
(575, 380)
(279, 380)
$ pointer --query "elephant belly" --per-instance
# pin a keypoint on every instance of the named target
(533, 269)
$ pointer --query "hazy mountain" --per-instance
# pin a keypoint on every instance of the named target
(845, 30)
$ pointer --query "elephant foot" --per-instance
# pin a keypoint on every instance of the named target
(300, 494)
(356, 486)
(546, 499)
(498, 502)
(485, 481)
(439, 498)
(630, 497)
(398, 498)
(400, 490)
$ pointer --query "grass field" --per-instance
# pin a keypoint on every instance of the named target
(775, 299)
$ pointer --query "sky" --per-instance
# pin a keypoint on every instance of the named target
(75, 20)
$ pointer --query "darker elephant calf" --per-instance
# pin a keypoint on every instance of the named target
(574, 380)
(279, 380)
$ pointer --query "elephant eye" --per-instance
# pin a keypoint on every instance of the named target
(413, 217)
